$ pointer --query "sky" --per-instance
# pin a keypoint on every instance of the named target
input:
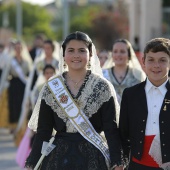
(39, 2)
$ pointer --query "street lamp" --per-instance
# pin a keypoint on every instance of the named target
(19, 19)
(66, 18)
(64, 6)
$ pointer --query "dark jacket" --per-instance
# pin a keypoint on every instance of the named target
(132, 122)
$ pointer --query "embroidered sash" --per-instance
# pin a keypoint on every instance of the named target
(19, 71)
(77, 117)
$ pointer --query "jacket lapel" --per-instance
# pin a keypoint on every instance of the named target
(166, 102)
(142, 98)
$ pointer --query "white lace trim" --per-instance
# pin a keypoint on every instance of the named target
(96, 91)
(155, 153)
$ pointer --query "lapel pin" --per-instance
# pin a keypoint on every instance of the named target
(164, 108)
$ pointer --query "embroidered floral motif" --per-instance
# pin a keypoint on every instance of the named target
(63, 98)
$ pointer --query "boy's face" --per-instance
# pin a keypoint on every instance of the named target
(157, 66)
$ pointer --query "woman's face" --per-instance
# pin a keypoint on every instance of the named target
(76, 55)
(120, 54)
(18, 48)
(48, 49)
(103, 56)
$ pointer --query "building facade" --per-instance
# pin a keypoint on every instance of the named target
(145, 20)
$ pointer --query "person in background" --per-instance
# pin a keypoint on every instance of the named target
(2, 57)
(136, 45)
(3, 87)
(144, 116)
(48, 71)
(16, 72)
(25, 145)
(126, 70)
(48, 56)
(83, 92)
(37, 48)
(103, 57)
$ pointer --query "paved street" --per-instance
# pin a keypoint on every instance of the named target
(7, 151)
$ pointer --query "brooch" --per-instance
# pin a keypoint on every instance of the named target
(164, 108)
(166, 102)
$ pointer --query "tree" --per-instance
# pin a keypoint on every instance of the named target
(110, 25)
(103, 25)
(83, 21)
(35, 20)
(105, 30)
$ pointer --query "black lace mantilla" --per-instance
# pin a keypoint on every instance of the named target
(93, 92)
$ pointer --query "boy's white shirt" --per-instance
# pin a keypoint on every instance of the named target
(155, 96)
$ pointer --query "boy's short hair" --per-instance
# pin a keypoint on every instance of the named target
(48, 66)
(157, 45)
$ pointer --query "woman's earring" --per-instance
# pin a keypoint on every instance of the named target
(89, 65)
(64, 65)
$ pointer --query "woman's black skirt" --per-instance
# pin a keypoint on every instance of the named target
(73, 152)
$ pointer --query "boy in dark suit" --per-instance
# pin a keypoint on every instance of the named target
(145, 112)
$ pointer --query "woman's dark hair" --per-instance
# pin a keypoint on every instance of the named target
(157, 45)
(48, 66)
(125, 42)
(50, 42)
(77, 36)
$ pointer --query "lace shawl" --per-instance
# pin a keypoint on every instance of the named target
(96, 91)
(128, 81)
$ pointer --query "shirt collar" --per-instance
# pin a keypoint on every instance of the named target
(162, 87)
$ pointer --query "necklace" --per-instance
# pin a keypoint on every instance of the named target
(75, 84)
(119, 77)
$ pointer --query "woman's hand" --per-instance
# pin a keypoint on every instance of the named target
(28, 169)
(118, 168)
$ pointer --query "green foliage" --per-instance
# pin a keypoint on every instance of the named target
(104, 25)
(35, 20)
(82, 17)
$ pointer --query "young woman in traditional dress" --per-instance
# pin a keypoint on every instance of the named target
(79, 104)
(126, 70)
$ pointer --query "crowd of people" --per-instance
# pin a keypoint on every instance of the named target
(73, 107)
